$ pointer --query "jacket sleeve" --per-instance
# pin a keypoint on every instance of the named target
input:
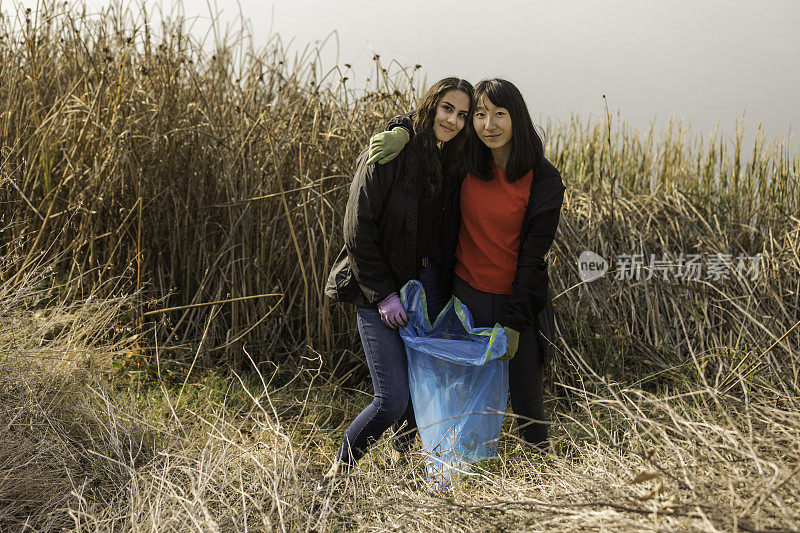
(405, 121)
(529, 290)
(368, 192)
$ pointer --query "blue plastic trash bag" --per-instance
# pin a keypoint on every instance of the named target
(459, 387)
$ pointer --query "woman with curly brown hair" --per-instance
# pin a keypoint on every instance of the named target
(400, 225)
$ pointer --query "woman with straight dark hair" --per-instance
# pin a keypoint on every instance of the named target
(510, 204)
(400, 224)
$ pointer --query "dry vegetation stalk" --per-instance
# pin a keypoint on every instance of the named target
(199, 172)
(88, 451)
(169, 208)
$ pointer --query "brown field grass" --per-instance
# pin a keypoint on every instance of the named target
(191, 177)
(87, 448)
(169, 362)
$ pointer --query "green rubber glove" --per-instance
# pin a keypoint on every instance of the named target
(512, 336)
(385, 146)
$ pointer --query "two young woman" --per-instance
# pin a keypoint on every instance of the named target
(481, 204)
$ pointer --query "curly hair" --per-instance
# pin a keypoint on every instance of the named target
(426, 163)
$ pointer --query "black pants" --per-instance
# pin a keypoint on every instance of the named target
(525, 370)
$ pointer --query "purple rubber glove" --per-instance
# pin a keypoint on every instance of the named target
(392, 312)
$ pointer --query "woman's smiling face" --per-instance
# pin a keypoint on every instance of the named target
(451, 114)
(492, 123)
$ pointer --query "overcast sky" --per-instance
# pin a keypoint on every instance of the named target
(703, 60)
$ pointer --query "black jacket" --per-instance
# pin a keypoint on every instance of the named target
(531, 302)
(530, 288)
(380, 235)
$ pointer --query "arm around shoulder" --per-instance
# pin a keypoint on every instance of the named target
(405, 121)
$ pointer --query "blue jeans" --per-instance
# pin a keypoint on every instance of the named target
(388, 368)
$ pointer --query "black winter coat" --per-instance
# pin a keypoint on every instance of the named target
(380, 235)
(531, 302)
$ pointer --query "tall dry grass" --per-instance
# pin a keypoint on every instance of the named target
(83, 448)
(127, 151)
(169, 212)
(191, 177)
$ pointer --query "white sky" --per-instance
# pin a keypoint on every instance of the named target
(704, 60)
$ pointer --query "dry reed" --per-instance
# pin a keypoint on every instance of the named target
(86, 451)
(197, 177)
(176, 211)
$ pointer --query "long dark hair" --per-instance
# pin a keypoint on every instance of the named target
(526, 145)
(425, 163)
